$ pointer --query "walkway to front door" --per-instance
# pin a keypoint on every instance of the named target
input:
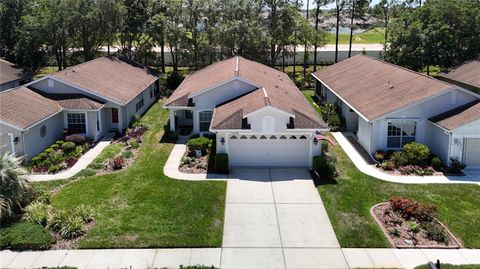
(275, 218)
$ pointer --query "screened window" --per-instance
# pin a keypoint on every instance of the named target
(76, 123)
(400, 132)
(139, 103)
(114, 115)
(205, 117)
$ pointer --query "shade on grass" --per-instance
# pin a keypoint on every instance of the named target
(349, 198)
(140, 207)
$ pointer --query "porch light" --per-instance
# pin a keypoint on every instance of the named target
(315, 141)
(15, 140)
(222, 141)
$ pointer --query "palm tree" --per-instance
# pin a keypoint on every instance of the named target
(13, 184)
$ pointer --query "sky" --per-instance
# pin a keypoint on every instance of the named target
(312, 4)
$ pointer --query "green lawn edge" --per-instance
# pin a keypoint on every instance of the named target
(348, 201)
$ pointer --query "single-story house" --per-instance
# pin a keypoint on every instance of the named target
(466, 75)
(387, 106)
(259, 116)
(12, 76)
(91, 99)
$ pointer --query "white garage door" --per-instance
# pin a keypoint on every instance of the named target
(269, 152)
(472, 151)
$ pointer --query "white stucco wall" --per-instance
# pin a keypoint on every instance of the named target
(280, 120)
(9, 131)
(438, 141)
(35, 144)
(129, 110)
(363, 134)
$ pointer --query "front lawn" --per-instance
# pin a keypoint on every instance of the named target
(349, 198)
(141, 207)
(372, 36)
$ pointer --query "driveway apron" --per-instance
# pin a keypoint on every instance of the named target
(275, 218)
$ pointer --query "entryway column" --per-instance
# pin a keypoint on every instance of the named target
(172, 120)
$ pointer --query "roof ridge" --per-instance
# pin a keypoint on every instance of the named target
(401, 67)
(80, 64)
(237, 70)
(266, 98)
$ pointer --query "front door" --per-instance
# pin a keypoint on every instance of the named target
(114, 115)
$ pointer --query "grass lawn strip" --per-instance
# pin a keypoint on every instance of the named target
(349, 199)
(141, 207)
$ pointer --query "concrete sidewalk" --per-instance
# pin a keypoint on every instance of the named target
(81, 164)
(365, 168)
(235, 258)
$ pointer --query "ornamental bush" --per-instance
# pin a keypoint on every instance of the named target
(200, 143)
(221, 163)
(76, 138)
(416, 153)
(399, 158)
(68, 147)
(37, 212)
(437, 164)
(25, 235)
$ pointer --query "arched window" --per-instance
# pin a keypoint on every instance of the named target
(268, 124)
(205, 117)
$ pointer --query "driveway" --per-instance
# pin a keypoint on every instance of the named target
(275, 218)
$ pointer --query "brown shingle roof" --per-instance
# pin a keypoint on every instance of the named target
(9, 72)
(75, 101)
(113, 78)
(458, 116)
(375, 88)
(282, 93)
(468, 73)
(23, 107)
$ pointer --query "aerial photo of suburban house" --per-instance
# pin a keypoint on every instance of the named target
(12, 76)
(90, 99)
(259, 115)
(386, 106)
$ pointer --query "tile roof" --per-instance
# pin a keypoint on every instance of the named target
(111, 77)
(280, 90)
(459, 116)
(375, 88)
(468, 73)
(23, 107)
(9, 72)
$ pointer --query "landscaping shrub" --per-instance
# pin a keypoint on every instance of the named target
(221, 163)
(379, 155)
(76, 138)
(435, 232)
(85, 212)
(68, 146)
(48, 151)
(200, 143)
(388, 165)
(174, 80)
(335, 122)
(118, 163)
(410, 208)
(417, 170)
(399, 158)
(416, 153)
(72, 227)
(25, 235)
(325, 165)
(54, 168)
(325, 146)
(134, 143)
(127, 154)
(54, 146)
(96, 166)
(37, 212)
(59, 142)
(14, 188)
(328, 110)
(437, 164)
(456, 166)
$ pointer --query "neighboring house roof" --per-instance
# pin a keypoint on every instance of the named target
(468, 73)
(376, 88)
(111, 77)
(459, 116)
(75, 101)
(10, 72)
(22, 107)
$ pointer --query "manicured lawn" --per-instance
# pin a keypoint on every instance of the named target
(140, 207)
(45, 71)
(373, 36)
(349, 198)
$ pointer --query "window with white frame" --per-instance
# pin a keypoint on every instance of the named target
(139, 103)
(205, 117)
(400, 132)
(76, 123)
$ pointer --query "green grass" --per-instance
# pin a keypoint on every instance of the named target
(373, 36)
(45, 71)
(349, 199)
(452, 266)
(140, 207)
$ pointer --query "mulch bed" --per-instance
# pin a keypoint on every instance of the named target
(197, 165)
(397, 173)
(399, 233)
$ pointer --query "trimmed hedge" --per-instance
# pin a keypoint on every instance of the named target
(25, 235)
(221, 163)
(417, 154)
(320, 165)
(200, 143)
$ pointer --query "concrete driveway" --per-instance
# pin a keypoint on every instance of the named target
(276, 218)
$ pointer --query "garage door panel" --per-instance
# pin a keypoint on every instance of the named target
(472, 151)
(268, 152)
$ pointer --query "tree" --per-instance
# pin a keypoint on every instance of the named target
(319, 4)
(11, 13)
(385, 9)
(305, 46)
(357, 11)
(13, 185)
(156, 28)
(339, 6)
(134, 25)
(111, 14)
